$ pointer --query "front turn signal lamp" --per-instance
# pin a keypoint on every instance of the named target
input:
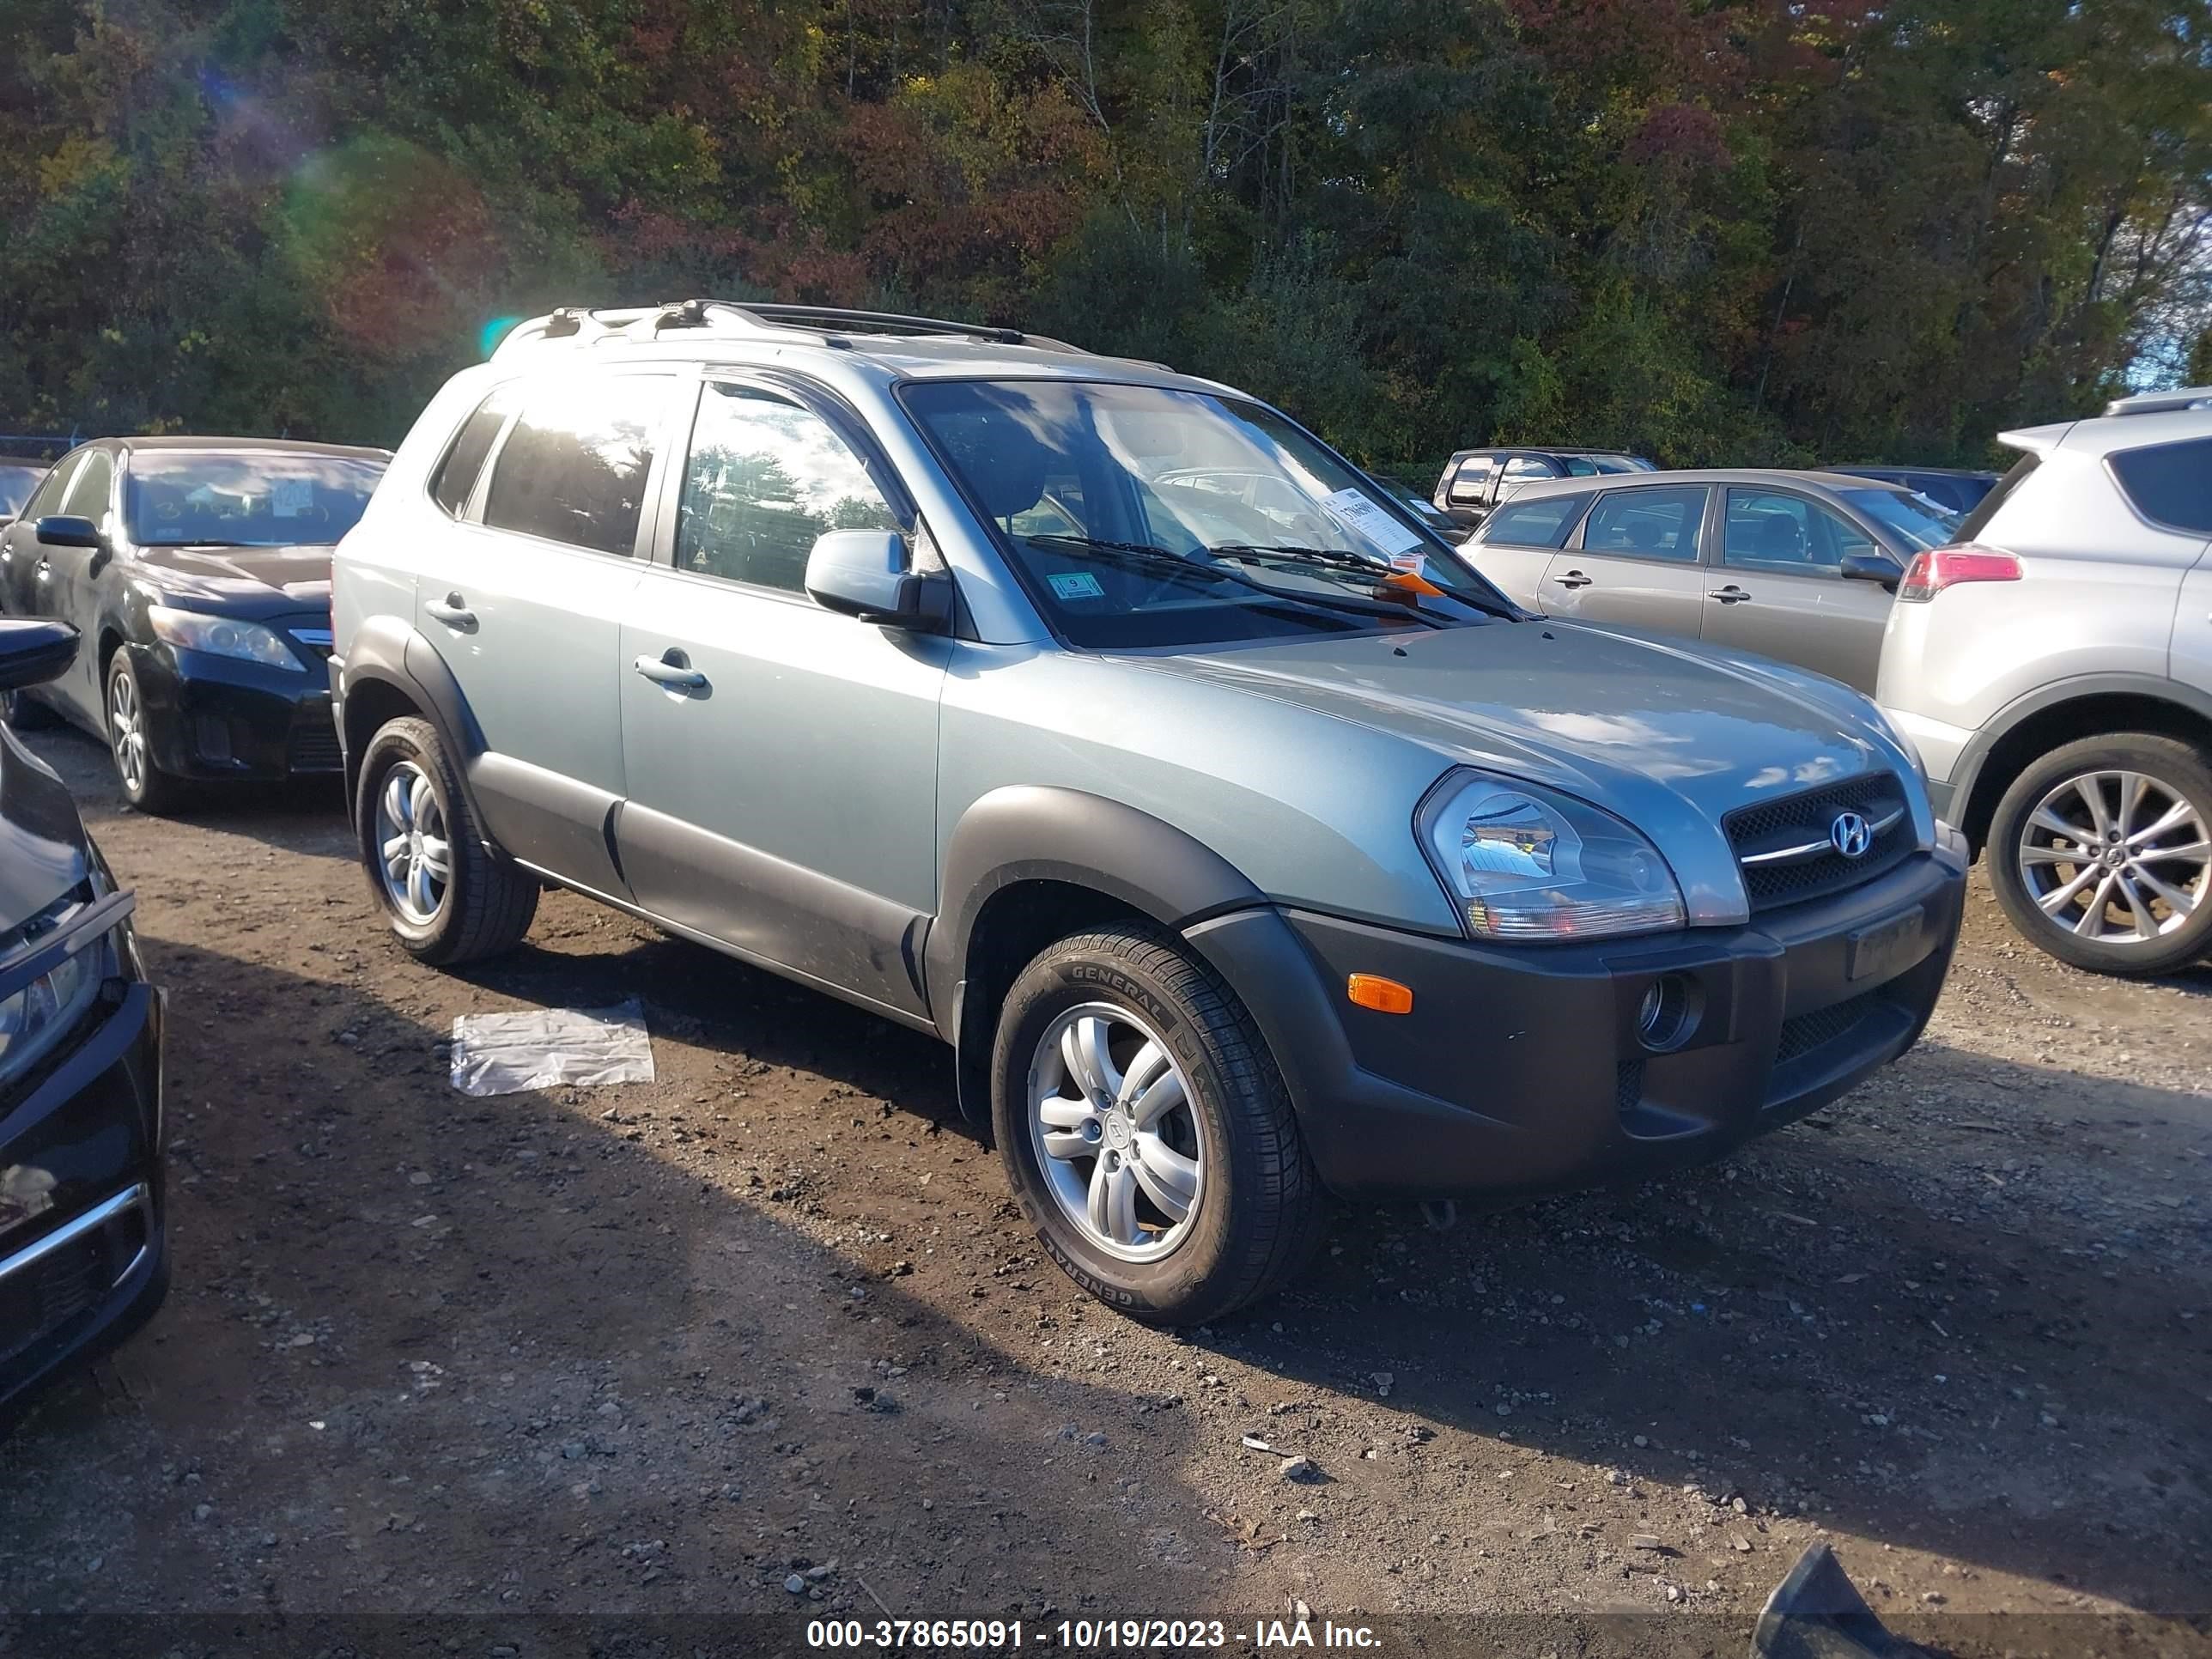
(1384, 996)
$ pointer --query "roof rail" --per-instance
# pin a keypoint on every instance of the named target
(2162, 403)
(582, 327)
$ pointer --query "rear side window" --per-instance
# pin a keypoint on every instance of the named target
(457, 474)
(1541, 523)
(2171, 483)
(1647, 524)
(1970, 527)
(574, 467)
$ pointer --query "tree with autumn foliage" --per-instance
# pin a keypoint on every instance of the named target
(1712, 230)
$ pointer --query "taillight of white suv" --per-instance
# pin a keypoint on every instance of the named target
(1940, 568)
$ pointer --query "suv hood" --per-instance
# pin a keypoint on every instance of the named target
(241, 581)
(1666, 735)
(44, 850)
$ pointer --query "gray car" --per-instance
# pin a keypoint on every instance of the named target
(2055, 671)
(1104, 723)
(1799, 566)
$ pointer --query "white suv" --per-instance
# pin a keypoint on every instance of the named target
(2054, 667)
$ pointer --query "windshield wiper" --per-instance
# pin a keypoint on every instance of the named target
(1137, 553)
(1337, 558)
(1145, 555)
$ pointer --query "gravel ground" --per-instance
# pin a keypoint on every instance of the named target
(673, 1349)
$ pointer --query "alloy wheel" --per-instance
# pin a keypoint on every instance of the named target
(1112, 1122)
(126, 731)
(2115, 857)
(414, 854)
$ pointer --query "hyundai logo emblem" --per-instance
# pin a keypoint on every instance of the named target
(1852, 835)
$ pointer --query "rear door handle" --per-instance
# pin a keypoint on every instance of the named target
(672, 670)
(1572, 579)
(1729, 595)
(452, 610)
(44, 573)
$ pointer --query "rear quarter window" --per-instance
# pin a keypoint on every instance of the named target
(1544, 522)
(2169, 483)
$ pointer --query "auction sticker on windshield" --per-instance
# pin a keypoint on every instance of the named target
(1371, 521)
(1076, 584)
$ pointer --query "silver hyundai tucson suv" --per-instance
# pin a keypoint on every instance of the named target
(2054, 668)
(1245, 846)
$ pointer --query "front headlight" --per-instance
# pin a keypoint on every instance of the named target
(1527, 864)
(37, 1017)
(222, 636)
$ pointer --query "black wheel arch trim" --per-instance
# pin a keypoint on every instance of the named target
(388, 651)
(1966, 776)
(1029, 832)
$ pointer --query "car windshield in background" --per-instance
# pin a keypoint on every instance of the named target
(1145, 516)
(1915, 520)
(16, 483)
(244, 498)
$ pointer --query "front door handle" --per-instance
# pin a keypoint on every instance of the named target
(1573, 579)
(452, 610)
(673, 670)
(1729, 595)
(44, 573)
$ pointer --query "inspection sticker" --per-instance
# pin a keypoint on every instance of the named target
(1076, 584)
(290, 497)
(1371, 521)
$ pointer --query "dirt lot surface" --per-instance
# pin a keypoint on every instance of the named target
(771, 1321)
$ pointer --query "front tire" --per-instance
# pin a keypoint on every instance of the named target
(2102, 854)
(1145, 1131)
(446, 897)
(146, 787)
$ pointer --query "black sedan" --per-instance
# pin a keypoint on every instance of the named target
(19, 476)
(198, 572)
(83, 1258)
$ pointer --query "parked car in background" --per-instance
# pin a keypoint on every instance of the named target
(1475, 480)
(1955, 488)
(1797, 566)
(2055, 671)
(198, 571)
(83, 1260)
(19, 476)
(907, 658)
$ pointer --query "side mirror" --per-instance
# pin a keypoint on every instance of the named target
(33, 650)
(1872, 568)
(870, 574)
(57, 531)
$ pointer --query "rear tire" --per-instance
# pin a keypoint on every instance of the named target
(447, 898)
(132, 744)
(1194, 1108)
(2132, 901)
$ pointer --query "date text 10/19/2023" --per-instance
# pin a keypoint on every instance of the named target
(1108, 1636)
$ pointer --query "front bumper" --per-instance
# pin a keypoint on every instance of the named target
(1520, 1069)
(83, 1259)
(218, 717)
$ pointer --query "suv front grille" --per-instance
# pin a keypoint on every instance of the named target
(1784, 850)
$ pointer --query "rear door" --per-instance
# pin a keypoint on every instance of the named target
(19, 541)
(1634, 559)
(1516, 545)
(525, 607)
(1778, 586)
(781, 759)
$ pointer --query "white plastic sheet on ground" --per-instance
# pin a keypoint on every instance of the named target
(504, 1054)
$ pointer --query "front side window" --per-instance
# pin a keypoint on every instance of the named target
(244, 497)
(1647, 524)
(1140, 515)
(46, 499)
(1786, 535)
(574, 467)
(2170, 484)
(1543, 522)
(89, 490)
(766, 477)
(1522, 468)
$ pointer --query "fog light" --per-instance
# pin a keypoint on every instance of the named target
(1668, 1013)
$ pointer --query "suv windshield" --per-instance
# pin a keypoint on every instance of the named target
(1145, 516)
(1916, 521)
(244, 498)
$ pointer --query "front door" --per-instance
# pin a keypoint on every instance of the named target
(1634, 561)
(66, 579)
(525, 607)
(1778, 587)
(782, 758)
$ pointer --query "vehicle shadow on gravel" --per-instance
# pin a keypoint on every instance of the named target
(494, 1355)
(1921, 1316)
(305, 815)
